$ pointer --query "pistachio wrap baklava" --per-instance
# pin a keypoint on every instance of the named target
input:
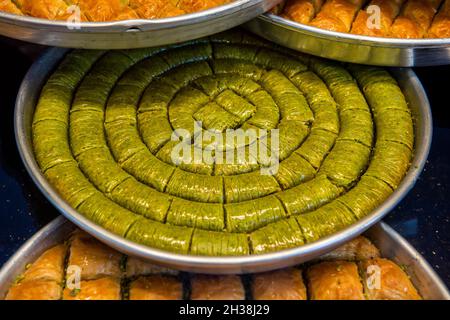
(138, 141)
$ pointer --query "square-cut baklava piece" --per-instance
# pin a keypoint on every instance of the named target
(385, 280)
(43, 280)
(334, 280)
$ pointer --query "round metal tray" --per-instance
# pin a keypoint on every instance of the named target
(391, 245)
(352, 48)
(133, 33)
(26, 102)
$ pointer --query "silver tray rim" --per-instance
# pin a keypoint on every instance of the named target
(25, 104)
(428, 282)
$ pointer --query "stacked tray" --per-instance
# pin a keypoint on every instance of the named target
(352, 48)
(391, 246)
(129, 34)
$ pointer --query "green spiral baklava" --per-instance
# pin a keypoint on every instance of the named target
(105, 123)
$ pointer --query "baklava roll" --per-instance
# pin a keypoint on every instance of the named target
(441, 24)
(357, 249)
(320, 100)
(293, 171)
(302, 11)
(46, 9)
(337, 15)
(95, 259)
(207, 216)
(10, 7)
(106, 288)
(317, 146)
(341, 169)
(326, 220)
(291, 101)
(384, 280)
(249, 186)
(390, 161)
(155, 9)
(366, 196)
(334, 280)
(206, 287)
(286, 284)
(156, 287)
(310, 195)
(251, 215)
(160, 235)
(389, 9)
(196, 187)
(415, 19)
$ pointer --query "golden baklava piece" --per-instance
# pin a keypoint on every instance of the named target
(385, 280)
(334, 280)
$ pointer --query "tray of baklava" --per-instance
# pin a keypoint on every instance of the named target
(113, 24)
(63, 262)
(379, 32)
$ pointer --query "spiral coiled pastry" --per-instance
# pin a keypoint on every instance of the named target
(102, 134)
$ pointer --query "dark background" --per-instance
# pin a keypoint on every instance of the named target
(422, 218)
